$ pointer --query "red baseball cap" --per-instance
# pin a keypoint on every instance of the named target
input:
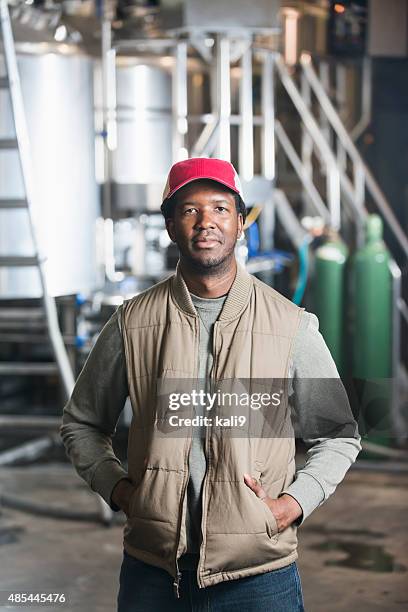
(190, 170)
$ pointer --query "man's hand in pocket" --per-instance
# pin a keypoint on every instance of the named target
(285, 509)
(122, 493)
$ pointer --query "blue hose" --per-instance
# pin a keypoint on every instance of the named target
(303, 255)
(253, 240)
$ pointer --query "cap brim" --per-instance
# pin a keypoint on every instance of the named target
(199, 178)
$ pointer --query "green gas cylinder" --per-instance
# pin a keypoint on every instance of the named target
(329, 294)
(372, 328)
(371, 325)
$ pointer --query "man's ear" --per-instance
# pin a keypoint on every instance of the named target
(170, 229)
(240, 226)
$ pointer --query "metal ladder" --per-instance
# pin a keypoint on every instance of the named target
(20, 143)
(48, 313)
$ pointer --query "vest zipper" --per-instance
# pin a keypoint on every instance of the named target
(207, 457)
(177, 578)
(176, 583)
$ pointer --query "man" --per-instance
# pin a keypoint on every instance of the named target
(212, 513)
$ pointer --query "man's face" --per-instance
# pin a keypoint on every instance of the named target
(205, 224)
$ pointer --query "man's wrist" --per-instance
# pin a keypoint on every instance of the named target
(121, 494)
(289, 510)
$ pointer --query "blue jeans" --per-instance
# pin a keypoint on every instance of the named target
(145, 588)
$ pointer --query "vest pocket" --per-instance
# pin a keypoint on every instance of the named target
(270, 521)
(156, 497)
(271, 524)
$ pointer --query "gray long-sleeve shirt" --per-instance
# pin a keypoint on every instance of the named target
(91, 415)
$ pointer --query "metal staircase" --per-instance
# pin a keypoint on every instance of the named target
(47, 314)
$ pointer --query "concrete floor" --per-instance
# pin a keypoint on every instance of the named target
(353, 551)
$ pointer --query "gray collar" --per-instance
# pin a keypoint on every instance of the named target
(237, 298)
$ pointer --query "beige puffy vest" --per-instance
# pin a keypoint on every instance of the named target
(252, 340)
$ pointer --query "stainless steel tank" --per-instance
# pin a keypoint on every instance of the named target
(58, 96)
(143, 153)
(144, 123)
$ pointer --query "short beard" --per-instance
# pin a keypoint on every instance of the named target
(211, 267)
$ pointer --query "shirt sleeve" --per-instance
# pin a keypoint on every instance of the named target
(91, 415)
(323, 418)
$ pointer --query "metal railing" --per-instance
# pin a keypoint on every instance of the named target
(302, 172)
(362, 177)
(215, 135)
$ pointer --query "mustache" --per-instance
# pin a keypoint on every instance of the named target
(206, 236)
